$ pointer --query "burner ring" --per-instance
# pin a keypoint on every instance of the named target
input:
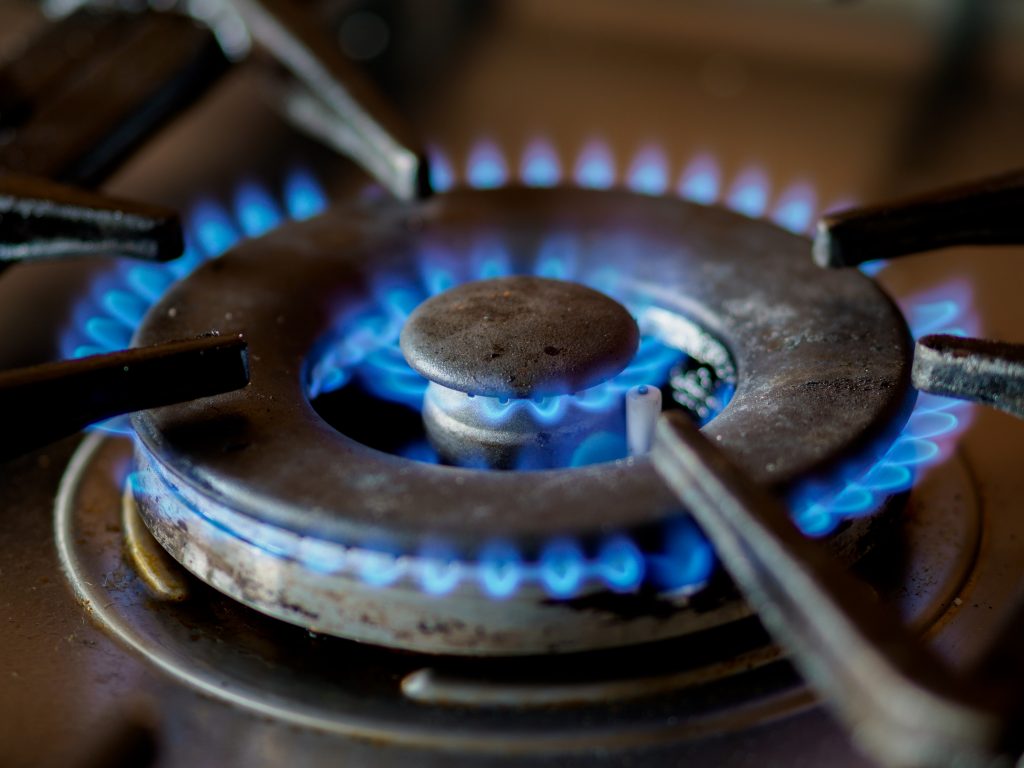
(823, 362)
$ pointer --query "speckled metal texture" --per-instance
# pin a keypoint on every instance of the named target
(678, 693)
(519, 336)
(822, 359)
(990, 372)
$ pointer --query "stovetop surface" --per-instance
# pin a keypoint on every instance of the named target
(833, 113)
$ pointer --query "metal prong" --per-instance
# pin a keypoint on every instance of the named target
(988, 372)
(41, 404)
(986, 212)
(40, 219)
(372, 133)
(898, 701)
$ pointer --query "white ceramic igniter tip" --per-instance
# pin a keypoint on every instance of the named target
(643, 406)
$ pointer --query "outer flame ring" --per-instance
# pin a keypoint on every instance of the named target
(119, 300)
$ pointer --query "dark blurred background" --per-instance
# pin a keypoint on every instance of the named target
(864, 100)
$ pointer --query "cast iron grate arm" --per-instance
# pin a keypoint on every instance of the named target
(986, 212)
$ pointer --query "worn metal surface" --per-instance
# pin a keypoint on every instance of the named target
(336, 103)
(985, 212)
(518, 687)
(982, 371)
(265, 568)
(519, 336)
(898, 701)
(161, 574)
(85, 111)
(288, 674)
(267, 469)
(42, 403)
(823, 360)
(369, 595)
(43, 220)
(688, 700)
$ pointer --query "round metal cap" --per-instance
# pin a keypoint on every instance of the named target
(520, 336)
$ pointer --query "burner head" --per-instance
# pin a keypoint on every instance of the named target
(520, 337)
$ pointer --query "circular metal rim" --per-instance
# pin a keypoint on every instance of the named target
(792, 336)
(930, 607)
(177, 662)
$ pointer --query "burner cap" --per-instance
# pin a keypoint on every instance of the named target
(520, 337)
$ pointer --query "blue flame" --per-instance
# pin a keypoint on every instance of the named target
(442, 177)
(540, 166)
(106, 318)
(557, 257)
(927, 435)
(595, 167)
(649, 172)
(562, 567)
(256, 210)
(796, 207)
(873, 268)
(364, 346)
(501, 569)
(378, 568)
(701, 180)
(621, 564)
(303, 196)
(490, 258)
(687, 559)
(487, 168)
(749, 193)
(439, 577)
(213, 228)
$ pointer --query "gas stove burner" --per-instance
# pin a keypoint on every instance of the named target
(263, 499)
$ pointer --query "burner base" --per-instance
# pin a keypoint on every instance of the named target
(711, 683)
